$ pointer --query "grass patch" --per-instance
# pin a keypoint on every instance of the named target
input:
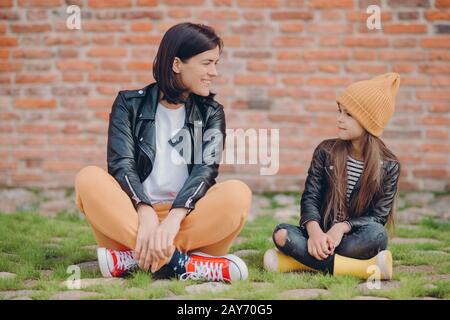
(30, 244)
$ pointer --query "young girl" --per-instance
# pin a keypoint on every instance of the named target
(159, 204)
(349, 192)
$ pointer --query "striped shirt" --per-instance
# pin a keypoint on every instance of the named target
(354, 170)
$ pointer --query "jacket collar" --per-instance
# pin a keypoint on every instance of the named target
(151, 103)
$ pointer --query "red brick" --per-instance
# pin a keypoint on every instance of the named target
(388, 55)
(258, 3)
(330, 4)
(366, 42)
(257, 66)
(30, 28)
(110, 77)
(442, 4)
(288, 55)
(364, 55)
(218, 14)
(32, 54)
(103, 27)
(435, 121)
(437, 134)
(21, 78)
(440, 55)
(358, 16)
(405, 28)
(75, 65)
(439, 108)
(325, 54)
(329, 28)
(8, 42)
(184, 2)
(6, 3)
(431, 173)
(40, 3)
(109, 3)
(35, 103)
(10, 66)
(326, 81)
(254, 80)
(434, 69)
(141, 27)
(140, 39)
(433, 95)
(107, 52)
(291, 27)
(291, 15)
(366, 68)
(292, 68)
(38, 128)
(139, 65)
(437, 15)
(147, 3)
(72, 77)
(291, 41)
(61, 165)
(4, 53)
(435, 42)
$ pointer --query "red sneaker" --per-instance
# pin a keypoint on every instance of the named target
(201, 266)
(114, 263)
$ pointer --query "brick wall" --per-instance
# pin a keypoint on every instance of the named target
(283, 65)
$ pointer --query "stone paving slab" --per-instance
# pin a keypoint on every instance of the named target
(304, 294)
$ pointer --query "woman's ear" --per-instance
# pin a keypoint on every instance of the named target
(176, 67)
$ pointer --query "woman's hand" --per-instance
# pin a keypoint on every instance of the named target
(148, 223)
(336, 233)
(319, 243)
(165, 234)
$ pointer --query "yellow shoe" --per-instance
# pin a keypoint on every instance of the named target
(276, 261)
(380, 265)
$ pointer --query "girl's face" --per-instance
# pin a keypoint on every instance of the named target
(198, 72)
(349, 128)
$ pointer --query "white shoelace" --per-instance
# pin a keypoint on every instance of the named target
(211, 271)
(125, 260)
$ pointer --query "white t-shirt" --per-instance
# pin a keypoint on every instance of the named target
(169, 169)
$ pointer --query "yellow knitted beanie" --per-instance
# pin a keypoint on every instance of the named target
(372, 102)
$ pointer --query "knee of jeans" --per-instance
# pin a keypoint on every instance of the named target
(237, 194)
(378, 234)
(87, 175)
(279, 236)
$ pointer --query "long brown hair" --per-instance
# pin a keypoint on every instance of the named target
(371, 184)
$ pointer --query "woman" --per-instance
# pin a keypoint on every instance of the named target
(159, 204)
(349, 192)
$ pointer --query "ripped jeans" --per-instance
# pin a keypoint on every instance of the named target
(361, 243)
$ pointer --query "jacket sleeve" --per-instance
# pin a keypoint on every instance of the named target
(120, 155)
(381, 209)
(203, 175)
(313, 194)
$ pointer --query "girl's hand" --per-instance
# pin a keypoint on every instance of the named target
(336, 233)
(165, 234)
(318, 241)
(148, 223)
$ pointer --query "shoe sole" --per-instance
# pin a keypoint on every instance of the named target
(271, 260)
(102, 255)
(238, 262)
(384, 261)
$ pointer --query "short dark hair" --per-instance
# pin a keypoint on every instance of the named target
(183, 40)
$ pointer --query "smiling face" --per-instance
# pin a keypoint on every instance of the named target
(349, 128)
(198, 72)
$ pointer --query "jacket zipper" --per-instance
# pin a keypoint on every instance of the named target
(190, 199)
(135, 197)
